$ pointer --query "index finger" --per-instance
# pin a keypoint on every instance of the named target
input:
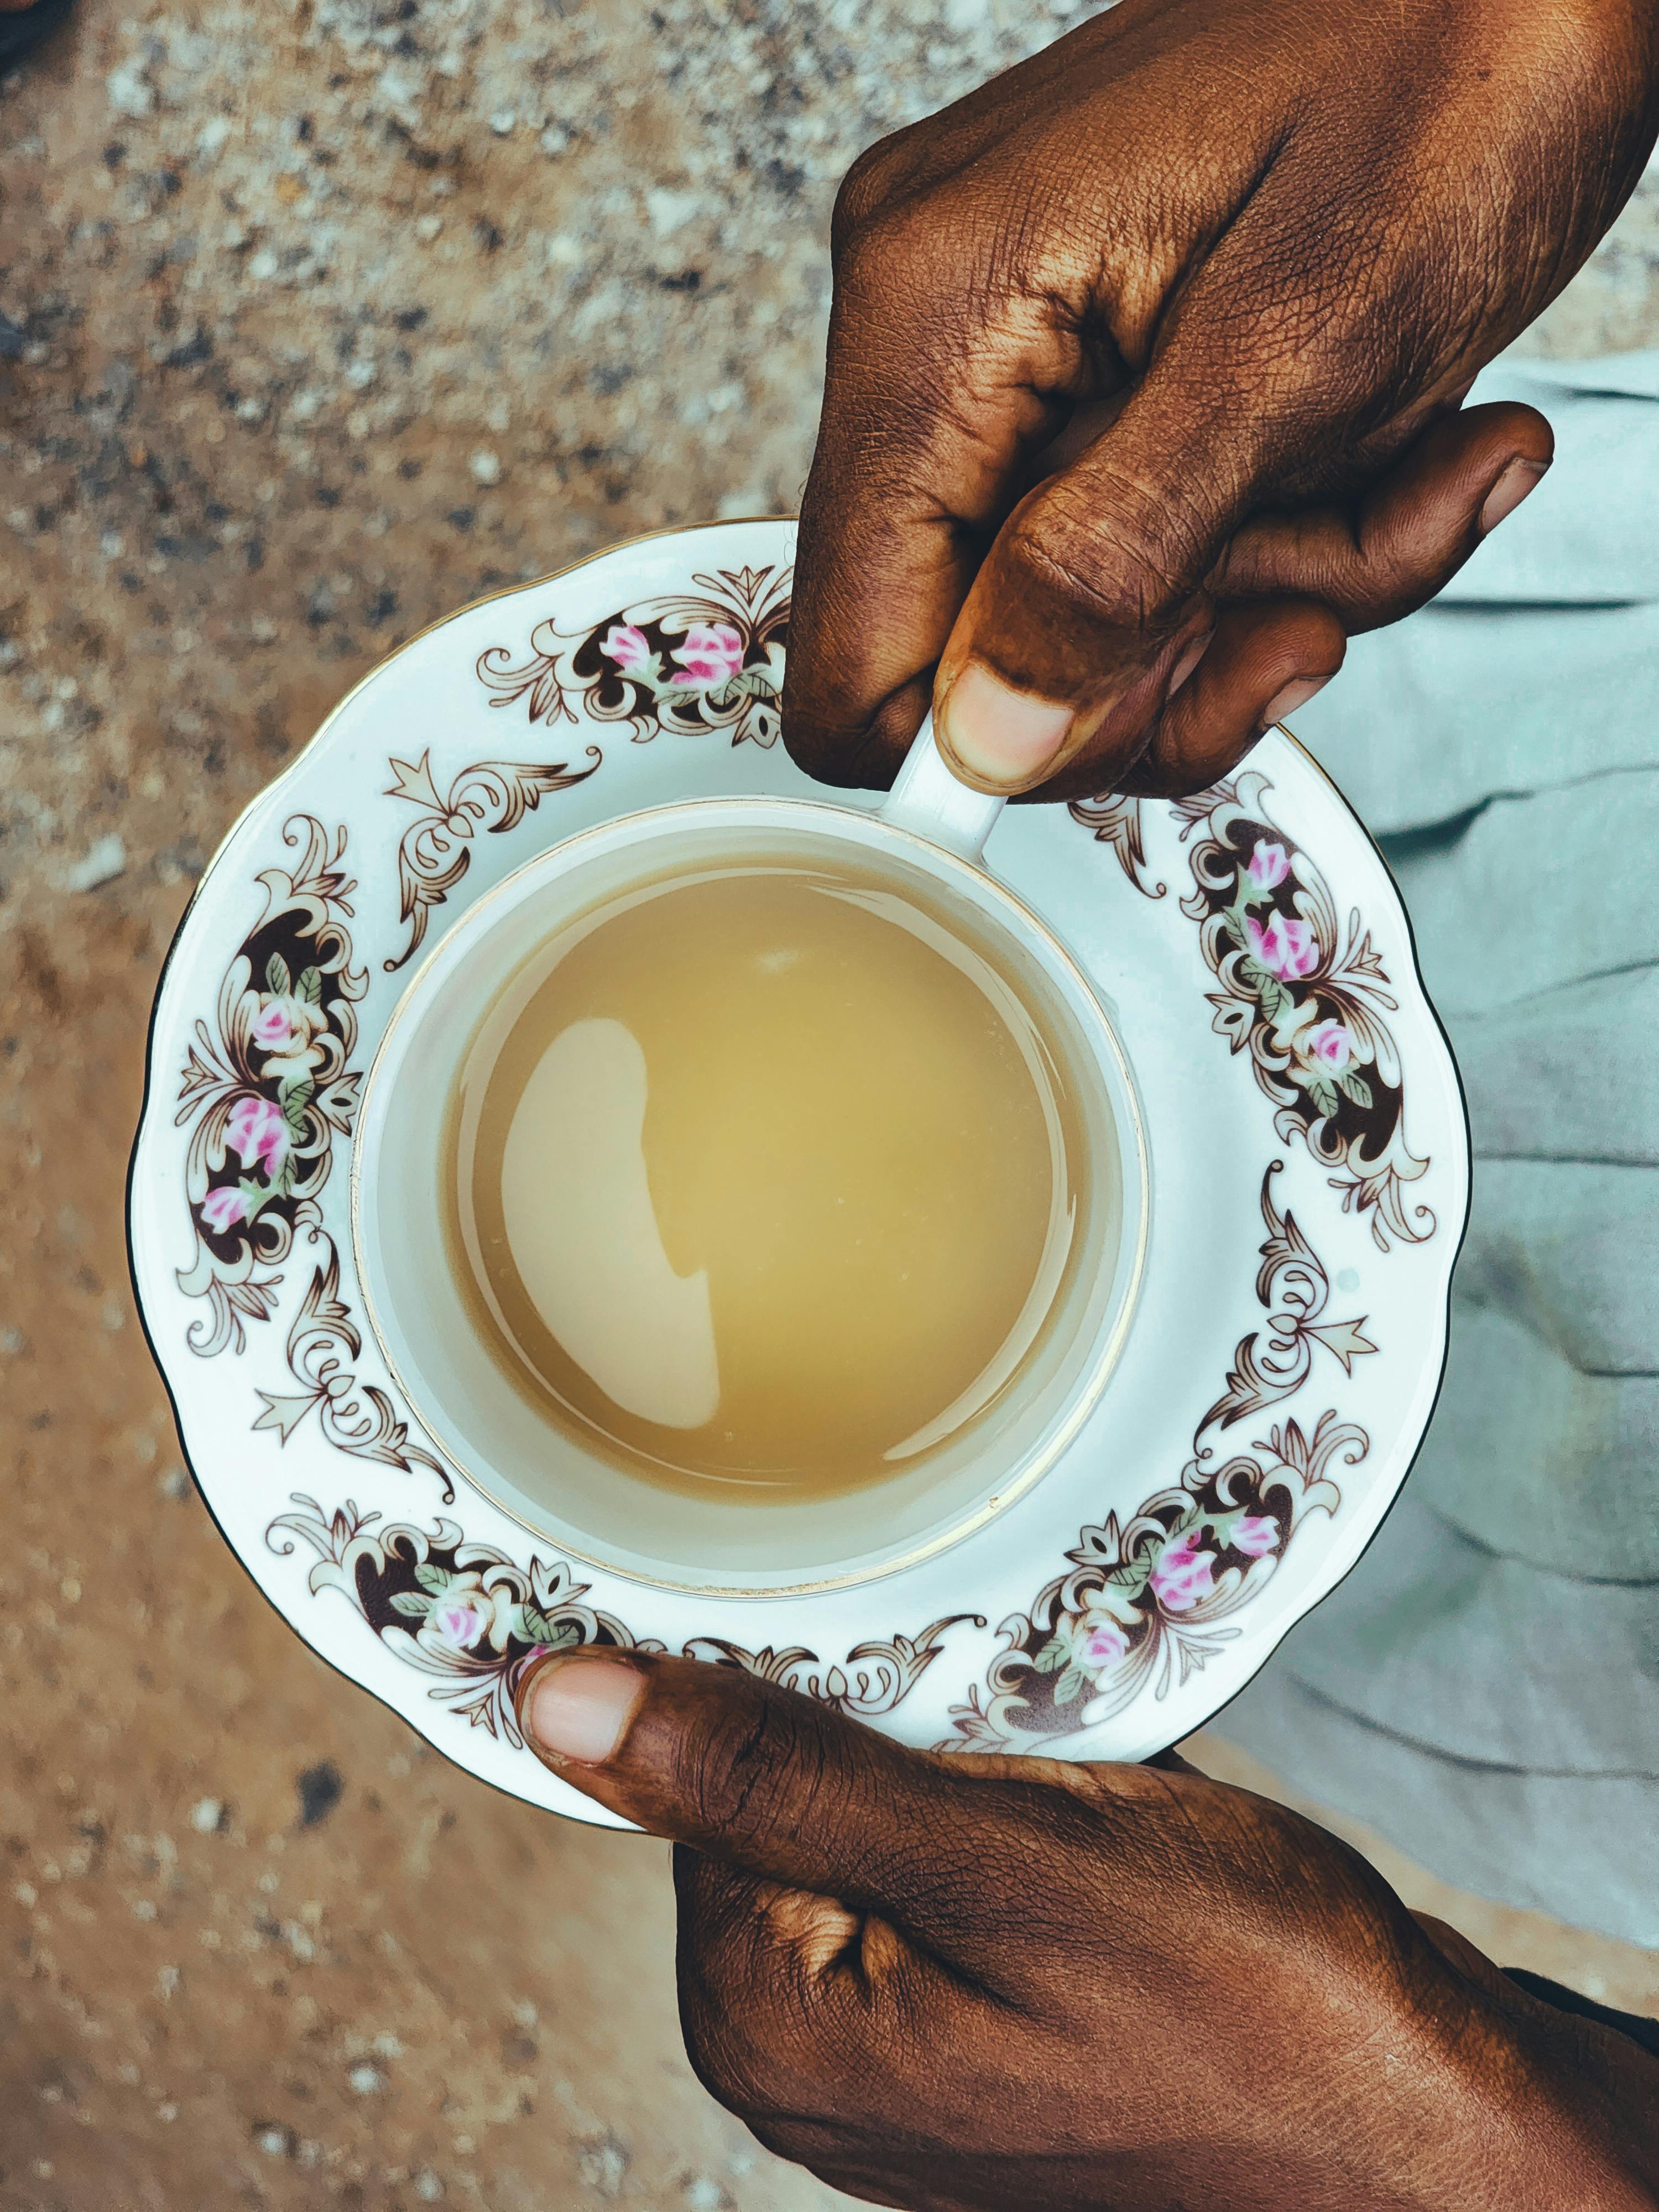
(933, 409)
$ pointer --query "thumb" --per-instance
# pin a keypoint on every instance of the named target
(759, 1778)
(1090, 610)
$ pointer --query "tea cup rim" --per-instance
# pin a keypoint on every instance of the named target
(844, 822)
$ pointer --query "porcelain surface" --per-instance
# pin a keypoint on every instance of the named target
(1310, 1175)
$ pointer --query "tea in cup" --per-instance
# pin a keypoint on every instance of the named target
(750, 1193)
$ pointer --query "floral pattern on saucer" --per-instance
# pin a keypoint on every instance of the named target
(1149, 1601)
(265, 1092)
(696, 662)
(467, 1614)
(1302, 992)
(1146, 1604)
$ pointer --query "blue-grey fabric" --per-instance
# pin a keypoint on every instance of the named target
(1485, 1687)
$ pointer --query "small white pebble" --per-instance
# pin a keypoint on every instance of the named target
(428, 2188)
(143, 1909)
(367, 2080)
(169, 2111)
(501, 122)
(174, 1483)
(25, 1894)
(262, 266)
(671, 211)
(12, 1340)
(205, 1814)
(276, 2142)
(212, 134)
(128, 92)
(427, 228)
(486, 467)
(106, 861)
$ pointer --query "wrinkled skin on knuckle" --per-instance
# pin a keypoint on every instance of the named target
(874, 177)
(735, 2073)
(1104, 575)
(748, 2046)
(729, 1778)
(782, 2048)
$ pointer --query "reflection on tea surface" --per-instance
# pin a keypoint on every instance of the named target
(760, 1177)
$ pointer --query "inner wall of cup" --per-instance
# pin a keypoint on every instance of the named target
(497, 1440)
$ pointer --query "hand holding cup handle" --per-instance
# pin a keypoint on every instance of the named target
(930, 799)
(1143, 397)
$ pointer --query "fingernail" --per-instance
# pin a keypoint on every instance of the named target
(579, 1707)
(1294, 694)
(1189, 661)
(1507, 494)
(1001, 735)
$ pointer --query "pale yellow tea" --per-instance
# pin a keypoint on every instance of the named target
(763, 1178)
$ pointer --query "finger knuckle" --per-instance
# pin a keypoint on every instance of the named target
(1109, 565)
(878, 265)
(866, 188)
(730, 2063)
(756, 2042)
(735, 1780)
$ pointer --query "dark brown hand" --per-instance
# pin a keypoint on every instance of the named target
(1241, 258)
(973, 1984)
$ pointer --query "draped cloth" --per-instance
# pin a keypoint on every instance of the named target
(1484, 1689)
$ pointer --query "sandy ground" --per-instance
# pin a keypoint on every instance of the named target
(319, 321)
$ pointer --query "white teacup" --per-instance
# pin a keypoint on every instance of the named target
(928, 834)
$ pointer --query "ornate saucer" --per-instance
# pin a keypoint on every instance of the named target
(1308, 1132)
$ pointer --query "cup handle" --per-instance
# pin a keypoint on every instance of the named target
(928, 798)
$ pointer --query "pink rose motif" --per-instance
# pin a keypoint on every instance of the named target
(711, 656)
(1255, 1535)
(625, 645)
(258, 1134)
(1100, 1646)
(273, 1025)
(1182, 1575)
(1287, 948)
(1268, 864)
(223, 1208)
(1328, 1046)
(456, 1622)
